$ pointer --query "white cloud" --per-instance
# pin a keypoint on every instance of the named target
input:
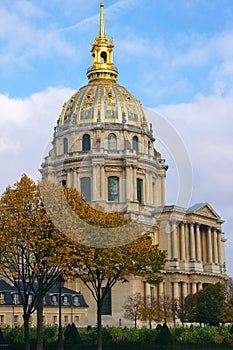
(26, 126)
(206, 125)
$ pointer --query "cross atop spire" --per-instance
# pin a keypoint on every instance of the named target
(102, 55)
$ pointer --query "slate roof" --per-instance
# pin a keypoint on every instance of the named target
(196, 206)
(72, 297)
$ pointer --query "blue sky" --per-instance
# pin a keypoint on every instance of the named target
(175, 56)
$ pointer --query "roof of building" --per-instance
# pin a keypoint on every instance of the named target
(73, 298)
(196, 206)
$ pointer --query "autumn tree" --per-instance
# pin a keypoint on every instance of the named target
(132, 308)
(151, 310)
(117, 247)
(110, 265)
(112, 247)
(33, 253)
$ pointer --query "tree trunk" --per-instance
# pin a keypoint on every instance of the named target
(39, 335)
(26, 318)
(99, 325)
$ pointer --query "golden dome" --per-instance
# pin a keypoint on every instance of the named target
(102, 100)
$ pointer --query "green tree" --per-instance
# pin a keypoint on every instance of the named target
(210, 305)
(33, 253)
(190, 307)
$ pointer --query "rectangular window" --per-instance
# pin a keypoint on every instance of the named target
(113, 189)
(139, 190)
(152, 295)
(107, 303)
(15, 321)
(1, 320)
(86, 188)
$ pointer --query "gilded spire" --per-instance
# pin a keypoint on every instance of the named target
(102, 29)
(102, 55)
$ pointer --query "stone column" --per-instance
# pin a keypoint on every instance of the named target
(192, 242)
(102, 182)
(175, 290)
(184, 290)
(215, 246)
(134, 184)
(75, 179)
(69, 178)
(153, 192)
(219, 248)
(149, 196)
(198, 238)
(174, 240)
(157, 194)
(162, 190)
(209, 245)
(161, 291)
(94, 178)
(194, 288)
(199, 286)
(182, 241)
(187, 241)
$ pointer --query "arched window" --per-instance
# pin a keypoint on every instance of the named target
(86, 188)
(112, 142)
(86, 144)
(103, 56)
(135, 143)
(113, 189)
(65, 146)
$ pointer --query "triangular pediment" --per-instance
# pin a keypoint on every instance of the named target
(204, 209)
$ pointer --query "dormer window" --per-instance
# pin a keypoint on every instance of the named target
(76, 300)
(54, 299)
(29, 299)
(2, 298)
(65, 300)
(15, 298)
